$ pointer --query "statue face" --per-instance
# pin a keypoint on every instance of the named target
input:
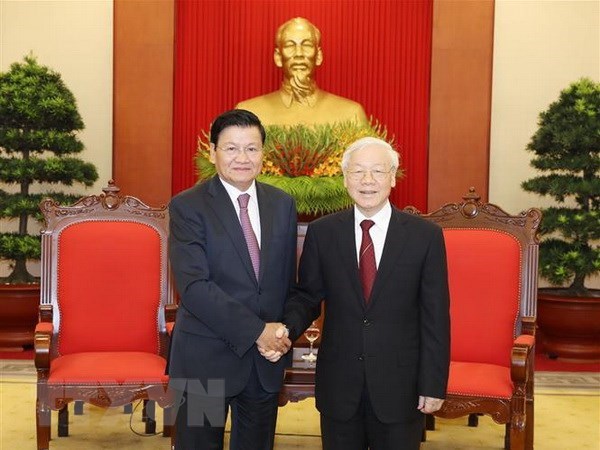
(297, 52)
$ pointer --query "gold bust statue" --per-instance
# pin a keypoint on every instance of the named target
(299, 100)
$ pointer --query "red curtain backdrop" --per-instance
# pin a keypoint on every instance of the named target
(376, 52)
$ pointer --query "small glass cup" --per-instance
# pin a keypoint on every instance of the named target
(311, 334)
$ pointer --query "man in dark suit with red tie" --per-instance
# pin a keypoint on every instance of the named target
(232, 249)
(384, 355)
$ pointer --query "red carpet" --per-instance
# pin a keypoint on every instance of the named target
(26, 354)
(545, 364)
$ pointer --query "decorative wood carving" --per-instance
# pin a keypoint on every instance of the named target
(458, 406)
(107, 395)
(120, 207)
(459, 214)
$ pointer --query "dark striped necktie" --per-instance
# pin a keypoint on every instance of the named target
(366, 260)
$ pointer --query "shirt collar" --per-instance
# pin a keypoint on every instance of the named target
(234, 192)
(381, 218)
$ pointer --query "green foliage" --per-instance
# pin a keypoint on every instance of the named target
(304, 161)
(15, 246)
(567, 152)
(39, 122)
(313, 195)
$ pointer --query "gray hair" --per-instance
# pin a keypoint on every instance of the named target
(366, 141)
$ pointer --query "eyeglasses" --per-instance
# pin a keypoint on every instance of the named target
(376, 174)
(232, 150)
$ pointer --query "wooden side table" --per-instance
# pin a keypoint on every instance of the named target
(299, 380)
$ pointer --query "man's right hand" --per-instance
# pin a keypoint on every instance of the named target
(274, 339)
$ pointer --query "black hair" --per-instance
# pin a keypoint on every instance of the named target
(235, 117)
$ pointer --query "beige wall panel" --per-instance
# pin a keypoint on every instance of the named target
(540, 48)
(74, 38)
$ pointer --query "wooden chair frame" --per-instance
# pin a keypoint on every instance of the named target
(517, 412)
(109, 206)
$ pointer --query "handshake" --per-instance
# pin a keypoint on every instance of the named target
(274, 341)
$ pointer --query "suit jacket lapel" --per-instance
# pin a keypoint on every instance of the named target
(266, 225)
(394, 244)
(347, 249)
(225, 212)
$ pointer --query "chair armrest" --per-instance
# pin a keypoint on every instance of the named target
(521, 361)
(41, 342)
(525, 340)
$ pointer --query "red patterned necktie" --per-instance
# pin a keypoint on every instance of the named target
(366, 261)
(249, 235)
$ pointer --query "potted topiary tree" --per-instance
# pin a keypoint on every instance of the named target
(567, 152)
(38, 125)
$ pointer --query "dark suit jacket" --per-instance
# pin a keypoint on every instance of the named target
(223, 308)
(398, 346)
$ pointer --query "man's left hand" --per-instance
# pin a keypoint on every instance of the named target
(428, 405)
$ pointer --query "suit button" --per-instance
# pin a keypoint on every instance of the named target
(361, 357)
(366, 322)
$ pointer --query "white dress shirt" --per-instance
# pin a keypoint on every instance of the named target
(253, 211)
(378, 231)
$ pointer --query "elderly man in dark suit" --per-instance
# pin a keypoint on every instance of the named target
(384, 356)
(233, 254)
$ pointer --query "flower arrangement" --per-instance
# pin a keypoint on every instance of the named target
(304, 161)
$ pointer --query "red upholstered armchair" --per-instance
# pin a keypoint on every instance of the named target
(106, 298)
(492, 270)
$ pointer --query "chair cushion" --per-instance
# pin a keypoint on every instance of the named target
(485, 286)
(108, 367)
(480, 380)
(109, 287)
